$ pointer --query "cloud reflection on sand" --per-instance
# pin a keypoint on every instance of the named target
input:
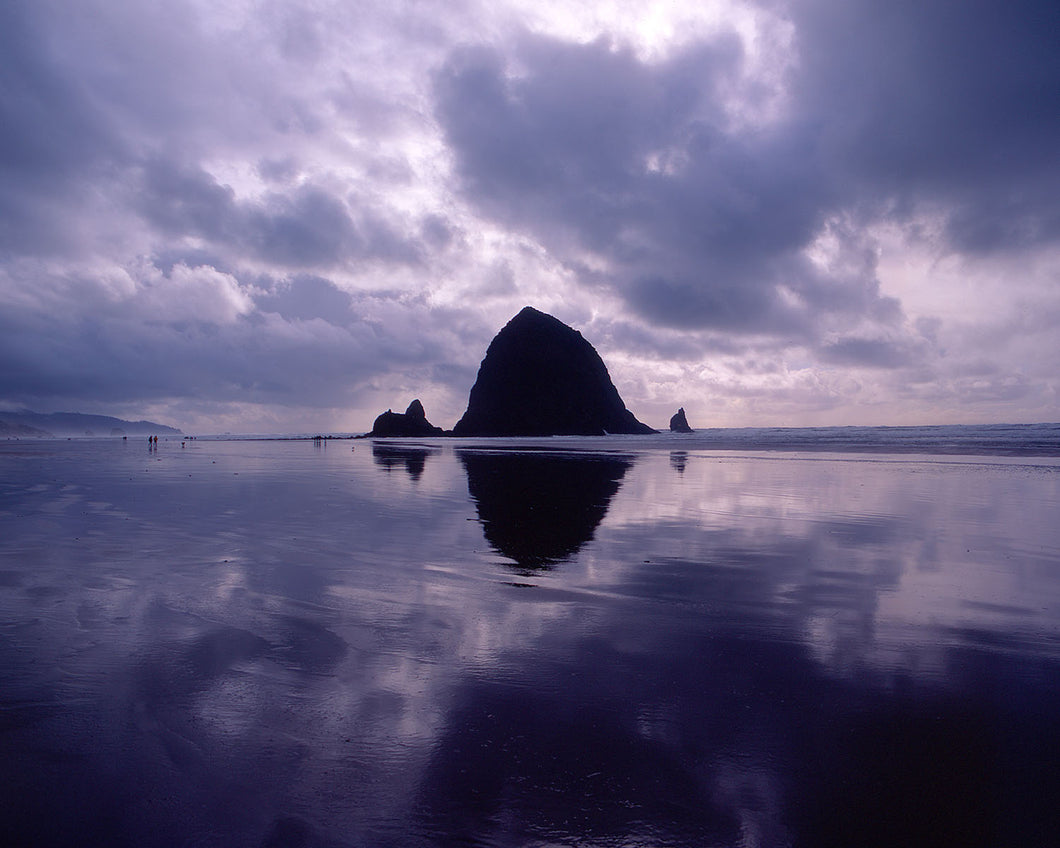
(240, 641)
(739, 634)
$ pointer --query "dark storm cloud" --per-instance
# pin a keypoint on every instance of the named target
(308, 341)
(132, 271)
(304, 227)
(49, 128)
(592, 150)
(955, 102)
(51, 138)
(874, 353)
(107, 127)
(704, 218)
(249, 201)
(306, 297)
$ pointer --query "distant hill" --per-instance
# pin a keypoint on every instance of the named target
(9, 429)
(77, 424)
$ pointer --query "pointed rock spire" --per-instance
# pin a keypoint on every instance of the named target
(542, 378)
(678, 423)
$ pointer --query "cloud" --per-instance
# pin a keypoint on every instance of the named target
(941, 104)
(302, 227)
(202, 333)
(858, 196)
(308, 297)
(874, 353)
(636, 171)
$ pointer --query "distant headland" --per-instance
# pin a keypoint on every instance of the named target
(24, 424)
(539, 378)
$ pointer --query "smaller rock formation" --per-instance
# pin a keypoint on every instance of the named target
(413, 422)
(679, 424)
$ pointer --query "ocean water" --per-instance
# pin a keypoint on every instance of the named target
(836, 637)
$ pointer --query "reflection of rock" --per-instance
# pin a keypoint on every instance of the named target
(540, 509)
(678, 423)
(412, 423)
(678, 461)
(542, 378)
(394, 456)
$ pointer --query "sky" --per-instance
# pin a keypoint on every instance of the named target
(291, 215)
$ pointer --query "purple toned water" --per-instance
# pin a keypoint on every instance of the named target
(713, 640)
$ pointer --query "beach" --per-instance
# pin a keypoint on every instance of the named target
(607, 641)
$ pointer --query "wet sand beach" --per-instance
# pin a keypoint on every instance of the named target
(593, 642)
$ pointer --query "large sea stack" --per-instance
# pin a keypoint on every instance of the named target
(541, 378)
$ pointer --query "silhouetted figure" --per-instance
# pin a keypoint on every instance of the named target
(540, 509)
(542, 378)
(678, 423)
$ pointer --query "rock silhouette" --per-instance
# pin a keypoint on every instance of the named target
(678, 423)
(391, 456)
(413, 422)
(542, 378)
(539, 509)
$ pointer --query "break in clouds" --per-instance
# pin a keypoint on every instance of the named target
(288, 216)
